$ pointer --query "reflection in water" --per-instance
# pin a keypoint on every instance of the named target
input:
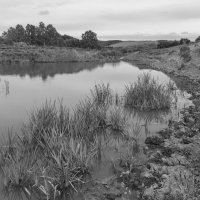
(4, 87)
(48, 69)
(33, 84)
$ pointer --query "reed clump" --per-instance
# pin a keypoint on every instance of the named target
(102, 94)
(147, 94)
(56, 148)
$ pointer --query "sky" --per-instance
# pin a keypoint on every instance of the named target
(110, 19)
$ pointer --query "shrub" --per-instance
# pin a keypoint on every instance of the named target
(185, 53)
(166, 44)
(101, 94)
(184, 41)
(89, 40)
(147, 94)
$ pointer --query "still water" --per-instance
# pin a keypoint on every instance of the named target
(22, 88)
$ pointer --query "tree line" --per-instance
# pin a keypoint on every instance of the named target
(42, 35)
(172, 43)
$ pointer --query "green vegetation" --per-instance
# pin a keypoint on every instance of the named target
(170, 43)
(89, 40)
(147, 94)
(47, 35)
(57, 148)
(166, 44)
(102, 94)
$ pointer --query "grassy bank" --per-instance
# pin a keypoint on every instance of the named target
(15, 54)
(170, 60)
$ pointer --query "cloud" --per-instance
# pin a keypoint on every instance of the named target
(141, 36)
(161, 13)
(105, 17)
(44, 12)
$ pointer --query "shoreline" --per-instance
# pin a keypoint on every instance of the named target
(171, 171)
(12, 55)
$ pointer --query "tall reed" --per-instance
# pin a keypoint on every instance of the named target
(147, 94)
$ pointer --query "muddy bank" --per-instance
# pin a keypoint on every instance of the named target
(34, 54)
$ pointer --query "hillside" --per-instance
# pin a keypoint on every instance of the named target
(169, 60)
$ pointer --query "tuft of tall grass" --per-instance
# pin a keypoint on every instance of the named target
(45, 118)
(101, 94)
(17, 164)
(88, 120)
(118, 120)
(66, 161)
(147, 94)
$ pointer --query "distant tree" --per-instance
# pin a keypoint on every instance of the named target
(17, 34)
(20, 33)
(184, 41)
(31, 34)
(89, 40)
(67, 37)
(51, 35)
(10, 34)
(40, 34)
(167, 43)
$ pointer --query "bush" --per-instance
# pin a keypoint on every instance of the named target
(147, 94)
(184, 41)
(166, 44)
(185, 53)
(89, 40)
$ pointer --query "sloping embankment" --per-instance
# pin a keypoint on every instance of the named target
(169, 61)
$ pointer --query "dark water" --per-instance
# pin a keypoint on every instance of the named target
(23, 88)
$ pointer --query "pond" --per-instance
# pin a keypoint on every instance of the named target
(23, 88)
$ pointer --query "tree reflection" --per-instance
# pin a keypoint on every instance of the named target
(46, 70)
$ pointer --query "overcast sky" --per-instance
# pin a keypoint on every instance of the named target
(118, 19)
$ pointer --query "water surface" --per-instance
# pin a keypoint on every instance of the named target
(22, 88)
